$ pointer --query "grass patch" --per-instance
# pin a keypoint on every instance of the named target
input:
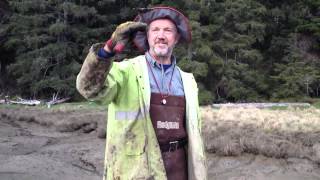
(12, 106)
(63, 106)
(278, 108)
(274, 133)
(78, 105)
(316, 103)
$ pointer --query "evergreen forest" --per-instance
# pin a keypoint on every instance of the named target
(241, 51)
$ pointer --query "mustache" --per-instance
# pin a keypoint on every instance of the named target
(161, 42)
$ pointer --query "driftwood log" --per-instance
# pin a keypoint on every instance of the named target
(55, 100)
(25, 102)
(58, 101)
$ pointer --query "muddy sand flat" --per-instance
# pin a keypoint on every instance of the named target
(46, 144)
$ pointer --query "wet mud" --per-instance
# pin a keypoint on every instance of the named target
(49, 144)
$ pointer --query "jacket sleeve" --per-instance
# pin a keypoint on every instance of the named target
(99, 80)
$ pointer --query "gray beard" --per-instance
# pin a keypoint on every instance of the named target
(163, 56)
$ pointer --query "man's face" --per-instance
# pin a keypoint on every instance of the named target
(162, 37)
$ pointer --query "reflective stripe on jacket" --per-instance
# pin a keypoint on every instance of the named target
(132, 149)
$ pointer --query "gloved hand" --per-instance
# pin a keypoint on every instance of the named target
(122, 34)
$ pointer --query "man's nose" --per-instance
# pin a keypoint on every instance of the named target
(161, 34)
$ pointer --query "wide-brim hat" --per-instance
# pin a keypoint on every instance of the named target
(148, 15)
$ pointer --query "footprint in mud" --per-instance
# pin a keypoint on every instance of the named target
(85, 165)
(28, 145)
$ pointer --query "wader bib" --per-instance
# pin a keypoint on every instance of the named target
(168, 119)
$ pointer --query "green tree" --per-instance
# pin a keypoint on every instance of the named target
(48, 38)
(5, 54)
(291, 46)
(232, 31)
(242, 50)
(300, 76)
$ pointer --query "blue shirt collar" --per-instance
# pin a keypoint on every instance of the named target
(154, 62)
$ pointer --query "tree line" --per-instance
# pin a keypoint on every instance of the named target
(241, 51)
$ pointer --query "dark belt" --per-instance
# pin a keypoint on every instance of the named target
(173, 145)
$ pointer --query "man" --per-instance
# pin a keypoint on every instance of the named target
(153, 127)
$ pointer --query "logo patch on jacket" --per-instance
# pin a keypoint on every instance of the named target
(167, 125)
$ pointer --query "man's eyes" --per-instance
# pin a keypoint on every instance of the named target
(167, 30)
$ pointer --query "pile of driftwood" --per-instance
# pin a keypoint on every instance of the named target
(53, 101)
(56, 100)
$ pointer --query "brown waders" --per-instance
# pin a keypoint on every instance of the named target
(168, 119)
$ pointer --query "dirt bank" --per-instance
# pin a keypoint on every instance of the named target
(50, 144)
(255, 144)
(63, 144)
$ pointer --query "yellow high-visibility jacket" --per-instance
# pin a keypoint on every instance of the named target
(132, 149)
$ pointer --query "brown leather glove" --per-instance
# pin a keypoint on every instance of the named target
(122, 34)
